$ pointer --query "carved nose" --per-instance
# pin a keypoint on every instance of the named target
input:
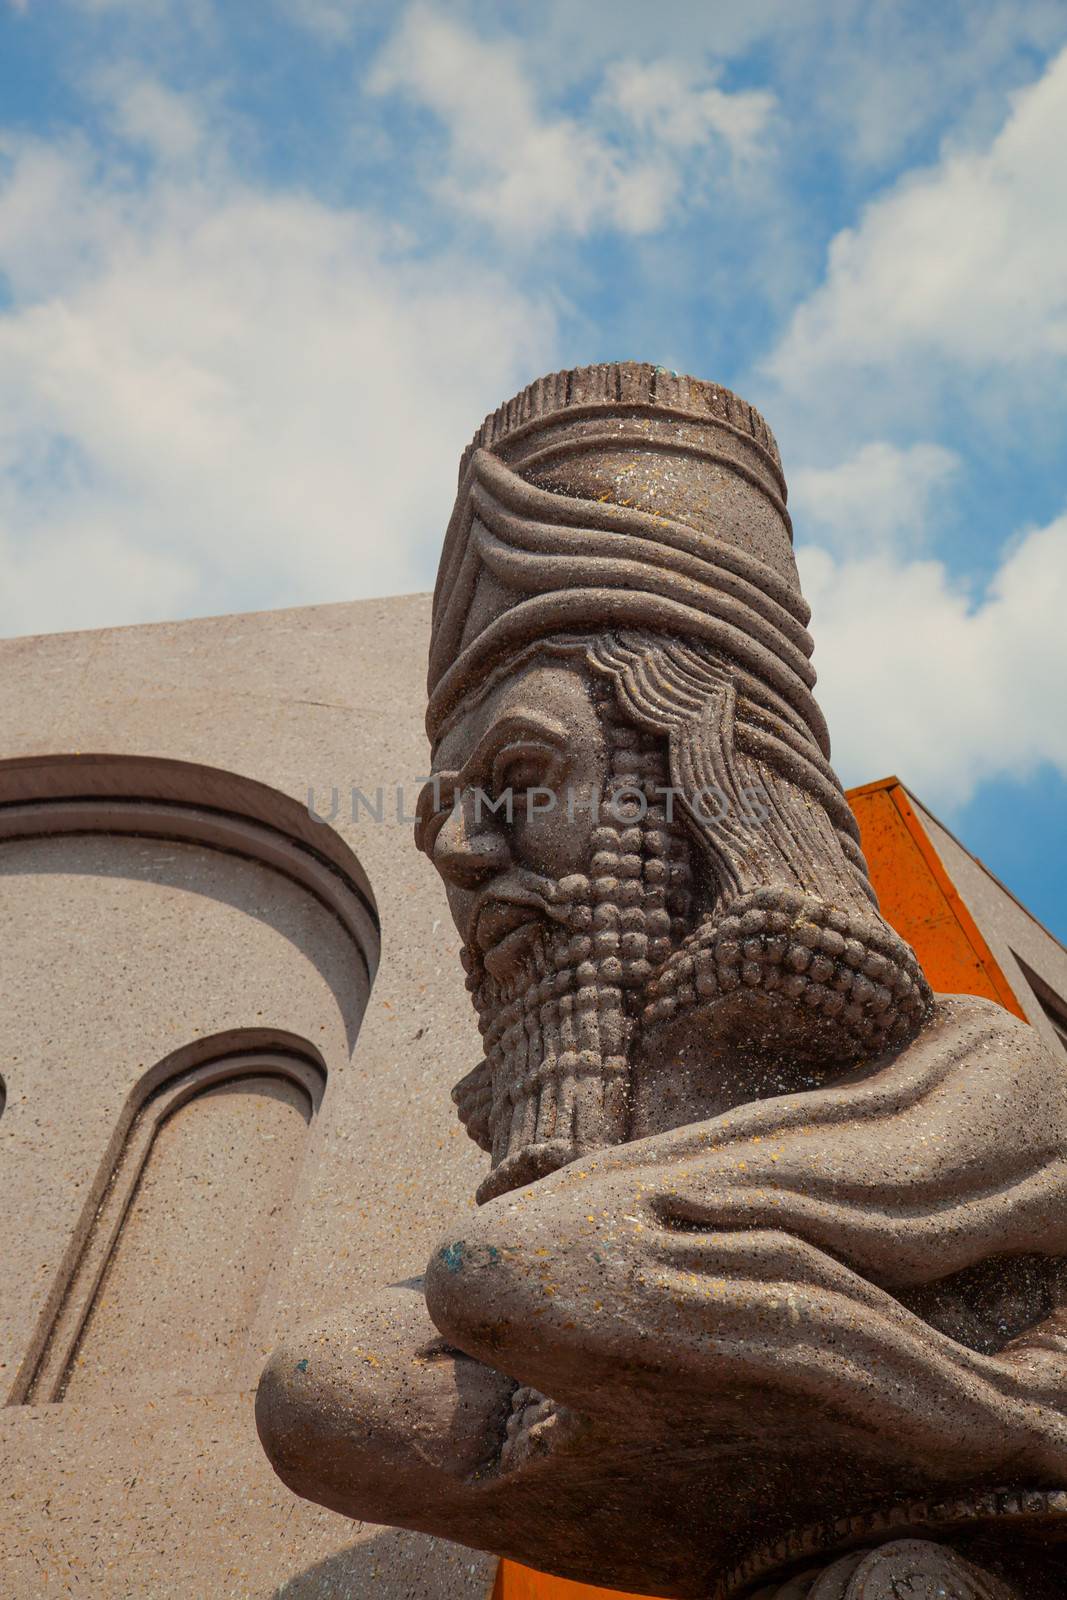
(467, 859)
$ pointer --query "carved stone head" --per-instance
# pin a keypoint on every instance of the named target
(633, 809)
(784, 1277)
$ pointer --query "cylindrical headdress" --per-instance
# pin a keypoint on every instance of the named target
(626, 497)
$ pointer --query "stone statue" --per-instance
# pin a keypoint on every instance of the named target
(766, 1295)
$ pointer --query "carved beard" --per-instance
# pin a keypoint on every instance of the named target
(794, 965)
(556, 1038)
(559, 1033)
(790, 962)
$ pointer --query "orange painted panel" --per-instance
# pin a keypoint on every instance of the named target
(523, 1583)
(919, 900)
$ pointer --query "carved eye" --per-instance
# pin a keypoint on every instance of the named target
(524, 766)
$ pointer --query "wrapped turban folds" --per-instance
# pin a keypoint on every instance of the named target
(620, 498)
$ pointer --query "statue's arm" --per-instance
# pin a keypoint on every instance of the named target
(952, 1152)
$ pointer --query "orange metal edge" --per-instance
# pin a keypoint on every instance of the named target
(872, 788)
(514, 1582)
(983, 955)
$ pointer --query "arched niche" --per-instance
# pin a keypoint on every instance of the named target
(186, 959)
(169, 1281)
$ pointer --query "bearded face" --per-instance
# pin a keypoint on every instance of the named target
(603, 919)
(567, 887)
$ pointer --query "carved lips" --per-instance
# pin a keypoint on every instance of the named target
(502, 932)
(504, 922)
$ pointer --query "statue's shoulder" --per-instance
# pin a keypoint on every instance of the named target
(975, 1010)
(968, 1026)
(965, 1012)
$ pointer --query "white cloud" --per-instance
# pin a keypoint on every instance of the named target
(948, 298)
(862, 80)
(213, 396)
(526, 170)
(79, 575)
(918, 677)
(148, 114)
(875, 75)
(962, 266)
(879, 498)
(671, 105)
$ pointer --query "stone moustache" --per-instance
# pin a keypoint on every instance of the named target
(767, 1292)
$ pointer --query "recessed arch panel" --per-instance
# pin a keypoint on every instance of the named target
(195, 1212)
(178, 936)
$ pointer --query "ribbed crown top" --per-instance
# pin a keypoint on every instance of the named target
(615, 384)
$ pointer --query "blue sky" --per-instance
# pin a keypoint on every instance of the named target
(264, 264)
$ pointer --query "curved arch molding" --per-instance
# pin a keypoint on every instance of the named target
(156, 798)
(246, 1095)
